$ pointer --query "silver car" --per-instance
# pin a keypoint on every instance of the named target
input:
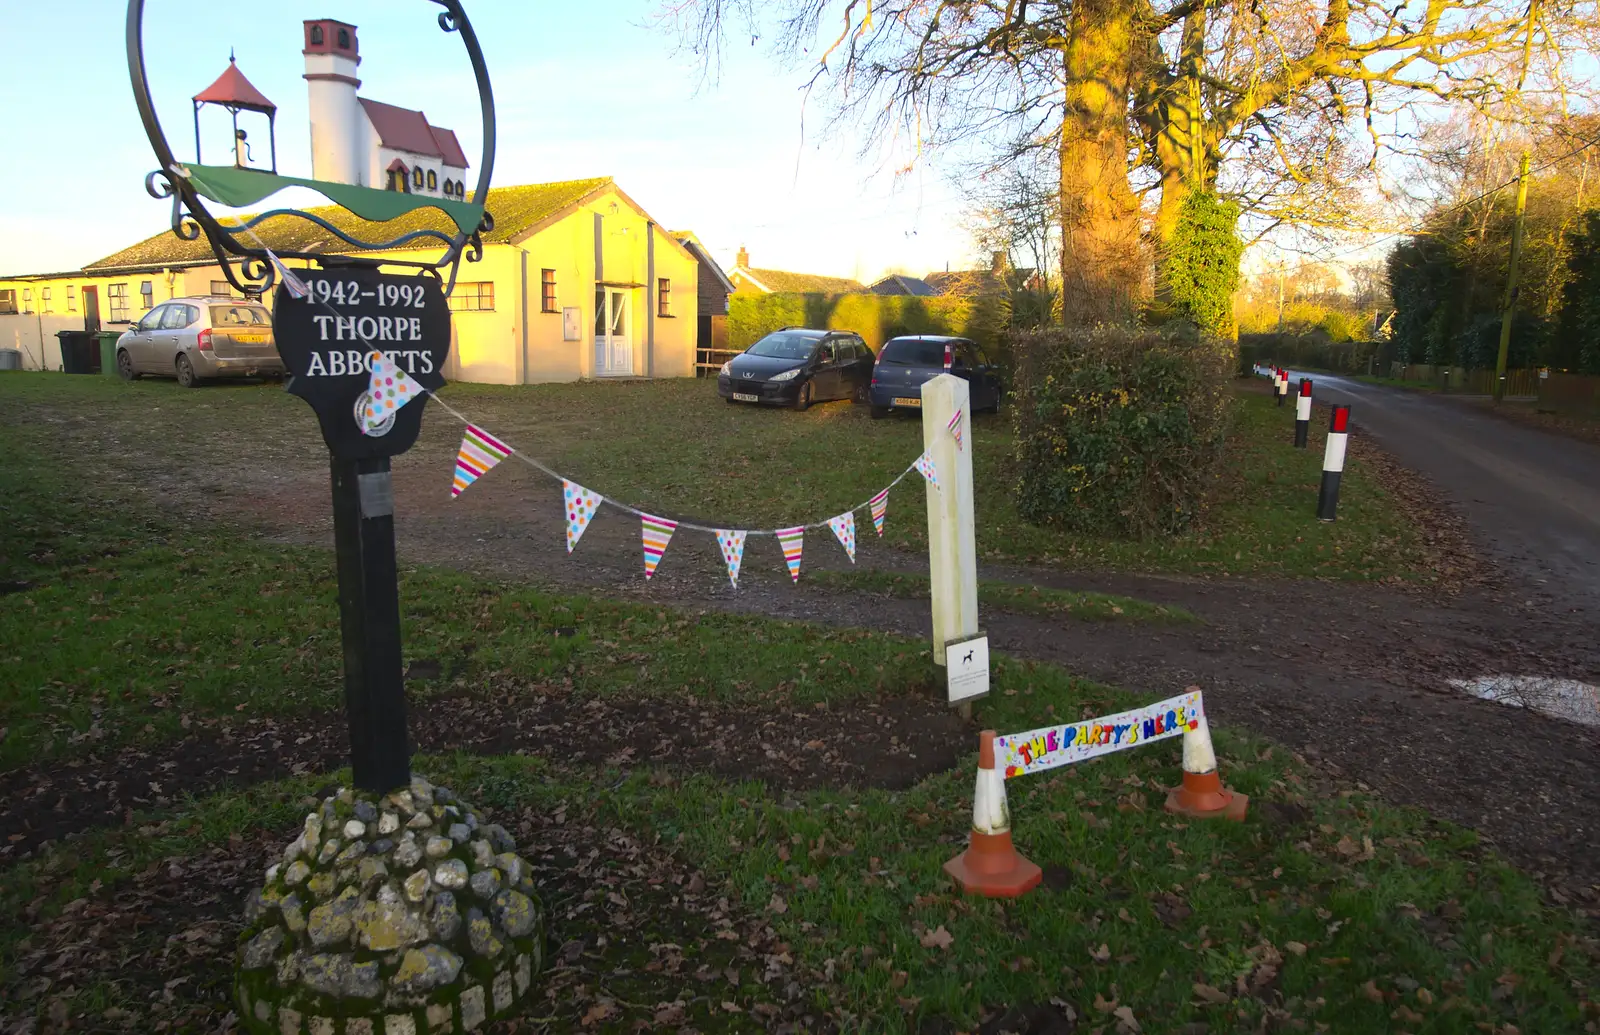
(194, 339)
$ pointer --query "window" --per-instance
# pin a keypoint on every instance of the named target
(663, 296)
(397, 179)
(547, 291)
(8, 301)
(178, 317)
(449, 188)
(344, 39)
(416, 177)
(147, 294)
(27, 300)
(474, 297)
(433, 180)
(151, 320)
(72, 298)
(117, 295)
(44, 300)
(316, 35)
(239, 316)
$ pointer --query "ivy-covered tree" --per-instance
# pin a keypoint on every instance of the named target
(1202, 263)
(1577, 347)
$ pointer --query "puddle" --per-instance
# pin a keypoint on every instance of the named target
(1558, 698)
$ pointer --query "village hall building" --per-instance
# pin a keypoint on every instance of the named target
(576, 279)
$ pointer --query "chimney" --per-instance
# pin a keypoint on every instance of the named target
(743, 258)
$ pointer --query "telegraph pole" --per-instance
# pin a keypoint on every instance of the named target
(1511, 282)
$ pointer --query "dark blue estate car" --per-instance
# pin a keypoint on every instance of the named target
(797, 367)
(905, 363)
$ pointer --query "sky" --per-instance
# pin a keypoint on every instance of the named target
(591, 89)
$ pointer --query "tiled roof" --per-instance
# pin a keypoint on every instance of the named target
(516, 210)
(978, 282)
(231, 87)
(407, 130)
(803, 283)
(900, 284)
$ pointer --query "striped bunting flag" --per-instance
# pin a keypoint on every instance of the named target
(955, 427)
(844, 526)
(792, 539)
(880, 507)
(479, 452)
(732, 544)
(580, 505)
(926, 467)
(657, 533)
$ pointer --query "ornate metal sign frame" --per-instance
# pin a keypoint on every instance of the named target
(244, 262)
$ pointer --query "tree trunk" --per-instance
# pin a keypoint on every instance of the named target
(1102, 263)
(1175, 124)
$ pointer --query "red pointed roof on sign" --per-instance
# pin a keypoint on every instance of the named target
(234, 90)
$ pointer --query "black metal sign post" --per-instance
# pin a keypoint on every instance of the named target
(327, 341)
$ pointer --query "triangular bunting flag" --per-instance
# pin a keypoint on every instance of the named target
(388, 389)
(580, 505)
(844, 526)
(928, 470)
(657, 533)
(732, 544)
(955, 427)
(880, 506)
(792, 539)
(291, 283)
(479, 452)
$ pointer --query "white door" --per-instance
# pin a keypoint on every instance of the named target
(613, 342)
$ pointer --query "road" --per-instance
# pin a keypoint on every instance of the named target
(1532, 498)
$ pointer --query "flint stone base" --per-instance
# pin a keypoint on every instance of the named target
(385, 950)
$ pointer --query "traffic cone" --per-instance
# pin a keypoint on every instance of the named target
(991, 866)
(1201, 795)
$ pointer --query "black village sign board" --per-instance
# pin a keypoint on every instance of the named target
(326, 337)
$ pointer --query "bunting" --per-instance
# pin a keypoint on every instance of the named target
(844, 526)
(479, 452)
(291, 283)
(926, 468)
(657, 533)
(732, 543)
(388, 389)
(580, 505)
(792, 540)
(955, 427)
(880, 506)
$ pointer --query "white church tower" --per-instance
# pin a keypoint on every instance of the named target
(339, 145)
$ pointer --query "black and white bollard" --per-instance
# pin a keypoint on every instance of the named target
(1302, 414)
(1281, 385)
(1333, 463)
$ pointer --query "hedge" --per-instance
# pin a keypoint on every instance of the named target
(877, 318)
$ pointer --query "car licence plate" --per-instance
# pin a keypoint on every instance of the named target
(739, 397)
(250, 339)
(900, 401)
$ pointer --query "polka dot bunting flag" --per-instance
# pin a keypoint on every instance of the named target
(732, 544)
(580, 505)
(926, 467)
(389, 389)
(844, 526)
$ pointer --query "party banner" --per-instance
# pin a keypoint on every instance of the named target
(580, 505)
(1019, 754)
(388, 389)
(479, 452)
(792, 540)
(844, 526)
(926, 468)
(657, 533)
(880, 506)
(732, 544)
(955, 427)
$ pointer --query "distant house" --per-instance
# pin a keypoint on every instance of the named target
(900, 284)
(748, 280)
(1001, 278)
(712, 288)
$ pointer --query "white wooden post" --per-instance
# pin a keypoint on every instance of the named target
(952, 554)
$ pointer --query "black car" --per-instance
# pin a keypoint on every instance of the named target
(797, 367)
(905, 363)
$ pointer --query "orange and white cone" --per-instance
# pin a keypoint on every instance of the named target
(1201, 795)
(991, 866)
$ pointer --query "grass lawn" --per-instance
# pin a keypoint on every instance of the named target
(1325, 911)
(996, 595)
(674, 448)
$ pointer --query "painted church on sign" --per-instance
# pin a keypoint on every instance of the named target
(368, 143)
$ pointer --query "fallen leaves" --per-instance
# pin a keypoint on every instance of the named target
(938, 938)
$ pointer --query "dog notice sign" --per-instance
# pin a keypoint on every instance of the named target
(966, 667)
